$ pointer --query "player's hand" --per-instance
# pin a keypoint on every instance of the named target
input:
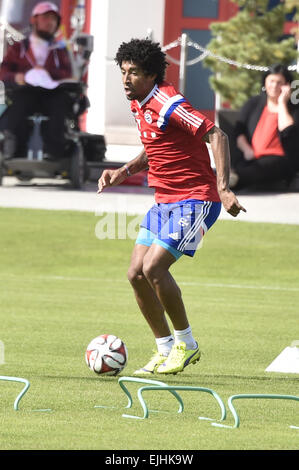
(111, 178)
(231, 203)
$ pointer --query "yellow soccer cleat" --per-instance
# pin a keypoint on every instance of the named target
(151, 367)
(178, 359)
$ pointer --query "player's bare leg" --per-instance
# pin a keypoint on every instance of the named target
(156, 264)
(185, 351)
(156, 291)
(146, 297)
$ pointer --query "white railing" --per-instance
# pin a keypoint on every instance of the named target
(184, 42)
(8, 34)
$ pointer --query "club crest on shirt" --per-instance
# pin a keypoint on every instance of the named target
(148, 117)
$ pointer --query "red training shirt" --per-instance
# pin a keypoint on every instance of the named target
(171, 131)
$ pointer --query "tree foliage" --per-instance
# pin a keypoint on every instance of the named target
(254, 36)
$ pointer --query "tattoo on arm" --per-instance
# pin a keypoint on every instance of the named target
(145, 159)
(206, 137)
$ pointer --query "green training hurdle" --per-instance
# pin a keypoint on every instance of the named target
(252, 396)
(23, 391)
(172, 388)
(156, 383)
(160, 386)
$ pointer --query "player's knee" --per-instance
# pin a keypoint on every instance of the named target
(151, 271)
(134, 275)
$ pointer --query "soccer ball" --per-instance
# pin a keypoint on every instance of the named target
(106, 355)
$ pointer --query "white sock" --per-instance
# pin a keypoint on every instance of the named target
(165, 344)
(186, 336)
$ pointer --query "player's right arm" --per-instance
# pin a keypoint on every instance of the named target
(220, 149)
(114, 177)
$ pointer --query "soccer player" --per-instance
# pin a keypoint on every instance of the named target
(188, 197)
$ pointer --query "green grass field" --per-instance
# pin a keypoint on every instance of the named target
(61, 286)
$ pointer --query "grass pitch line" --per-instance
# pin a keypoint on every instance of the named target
(239, 286)
(122, 281)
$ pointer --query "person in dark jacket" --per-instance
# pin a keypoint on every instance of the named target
(267, 134)
(32, 70)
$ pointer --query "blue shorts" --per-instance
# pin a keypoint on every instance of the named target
(179, 226)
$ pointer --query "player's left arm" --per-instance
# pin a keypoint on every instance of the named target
(220, 148)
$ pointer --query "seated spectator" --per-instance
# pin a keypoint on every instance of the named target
(267, 133)
(32, 70)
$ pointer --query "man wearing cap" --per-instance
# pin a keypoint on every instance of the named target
(41, 62)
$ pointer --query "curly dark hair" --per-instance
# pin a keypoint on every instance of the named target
(146, 54)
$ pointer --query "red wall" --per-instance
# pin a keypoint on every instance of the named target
(175, 23)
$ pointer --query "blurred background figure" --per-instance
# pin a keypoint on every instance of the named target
(32, 71)
(267, 134)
